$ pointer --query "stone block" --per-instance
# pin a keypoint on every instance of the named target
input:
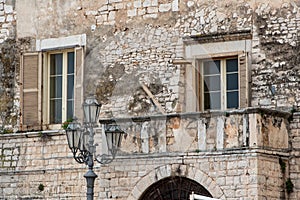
(115, 1)
(147, 16)
(91, 12)
(165, 7)
(132, 13)
(147, 3)
(151, 10)
(119, 6)
(8, 9)
(154, 3)
(142, 11)
(175, 5)
(101, 18)
(111, 16)
(137, 4)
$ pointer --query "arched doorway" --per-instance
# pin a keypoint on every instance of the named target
(173, 188)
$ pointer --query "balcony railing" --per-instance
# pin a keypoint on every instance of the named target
(205, 131)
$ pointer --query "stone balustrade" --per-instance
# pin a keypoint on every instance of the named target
(205, 131)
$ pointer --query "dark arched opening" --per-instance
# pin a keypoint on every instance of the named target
(173, 188)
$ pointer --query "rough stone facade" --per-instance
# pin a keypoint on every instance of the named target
(135, 63)
(225, 165)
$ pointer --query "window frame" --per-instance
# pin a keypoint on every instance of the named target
(46, 89)
(223, 88)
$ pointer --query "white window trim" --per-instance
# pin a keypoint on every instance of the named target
(46, 89)
(60, 43)
(194, 51)
(50, 45)
(209, 50)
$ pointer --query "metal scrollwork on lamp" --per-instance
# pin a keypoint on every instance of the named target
(81, 141)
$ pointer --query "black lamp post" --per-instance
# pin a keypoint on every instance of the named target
(81, 141)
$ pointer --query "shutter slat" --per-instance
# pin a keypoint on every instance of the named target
(243, 81)
(30, 95)
(199, 86)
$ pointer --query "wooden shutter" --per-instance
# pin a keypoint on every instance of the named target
(199, 86)
(31, 91)
(243, 84)
(78, 91)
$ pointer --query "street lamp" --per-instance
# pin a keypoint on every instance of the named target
(81, 141)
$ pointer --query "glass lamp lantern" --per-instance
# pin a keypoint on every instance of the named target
(91, 109)
(81, 141)
(114, 136)
(73, 133)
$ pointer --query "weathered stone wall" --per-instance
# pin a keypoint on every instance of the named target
(33, 159)
(208, 131)
(130, 43)
(295, 156)
(275, 63)
(9, 65)
(218, 157)
(30, 159)
(134, 42)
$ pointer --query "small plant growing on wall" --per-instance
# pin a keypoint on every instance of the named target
(66, 123)
(41, 187)
(282, 165)
(44, 136)
(289, 186)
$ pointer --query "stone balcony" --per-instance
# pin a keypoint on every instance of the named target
(206, 131)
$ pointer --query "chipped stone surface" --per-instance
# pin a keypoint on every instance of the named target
(136, 42)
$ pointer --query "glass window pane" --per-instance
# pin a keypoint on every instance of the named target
(55, 111)
(212, 100)
(233, 99)
(56, 87)
(211, 67)
(56, 63)
(70, 62)
(70, 109)
(232, 65)
(232, 81)
(212, 83)
(70, 87)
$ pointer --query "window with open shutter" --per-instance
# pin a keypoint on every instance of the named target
(222, 83)
(31, 91)
(218, 71)
(63, 91)
(52, 82)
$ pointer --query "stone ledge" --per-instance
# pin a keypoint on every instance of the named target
(218, 37)
(32, 134)
(205, 114)
(245, 151)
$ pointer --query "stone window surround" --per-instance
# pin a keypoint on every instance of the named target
(61, 42)
(50, 45)
(199, 47)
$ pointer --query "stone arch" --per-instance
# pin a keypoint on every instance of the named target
(169, 170)
(173, 187)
